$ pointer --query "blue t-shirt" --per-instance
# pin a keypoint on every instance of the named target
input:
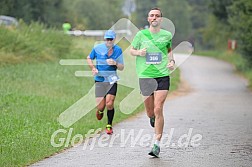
(100, 53)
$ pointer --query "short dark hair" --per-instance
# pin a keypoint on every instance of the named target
(156, 8)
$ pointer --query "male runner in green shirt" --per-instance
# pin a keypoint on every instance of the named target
(154, 60)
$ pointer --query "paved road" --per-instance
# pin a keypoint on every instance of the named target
(210, 126)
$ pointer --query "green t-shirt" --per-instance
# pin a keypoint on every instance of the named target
(155, 43)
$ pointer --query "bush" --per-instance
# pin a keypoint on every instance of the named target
(33, 42)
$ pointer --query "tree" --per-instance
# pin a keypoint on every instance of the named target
(178, 13)
(142, 9)
(218, 30)
(199, 13)
(240, 19)
(219, 9)
(50, 12)
(97, 14)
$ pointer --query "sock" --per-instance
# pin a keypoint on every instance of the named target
(110, 114)
(157, 142)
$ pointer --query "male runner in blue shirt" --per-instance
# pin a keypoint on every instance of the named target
(109, 58)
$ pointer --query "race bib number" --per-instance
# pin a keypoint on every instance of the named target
(153, 58)
(113, 78)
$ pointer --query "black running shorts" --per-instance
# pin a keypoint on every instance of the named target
(149, 85)
(104, 88)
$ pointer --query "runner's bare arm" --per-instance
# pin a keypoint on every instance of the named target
(91, 65)
(171, 62)
(135, 52)
(170, 56)
(120, 66)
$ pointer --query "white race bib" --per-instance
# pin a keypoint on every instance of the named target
(113, 78)
(153, 58)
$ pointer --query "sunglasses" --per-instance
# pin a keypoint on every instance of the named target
(109, 39)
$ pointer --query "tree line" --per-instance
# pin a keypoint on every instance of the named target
(208, 24)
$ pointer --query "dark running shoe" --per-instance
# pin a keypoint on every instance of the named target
(99, 114)
(109, 129)
(155, 151)
(152, 121)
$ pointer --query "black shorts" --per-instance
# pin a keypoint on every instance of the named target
(104, 88)
(149, 85)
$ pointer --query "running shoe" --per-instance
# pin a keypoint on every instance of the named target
(155, 151)
(152, 121)
(109, 129)
(99, 114)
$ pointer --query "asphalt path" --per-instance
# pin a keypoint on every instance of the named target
(208, 126)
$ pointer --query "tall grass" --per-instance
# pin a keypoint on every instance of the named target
(32, 43)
